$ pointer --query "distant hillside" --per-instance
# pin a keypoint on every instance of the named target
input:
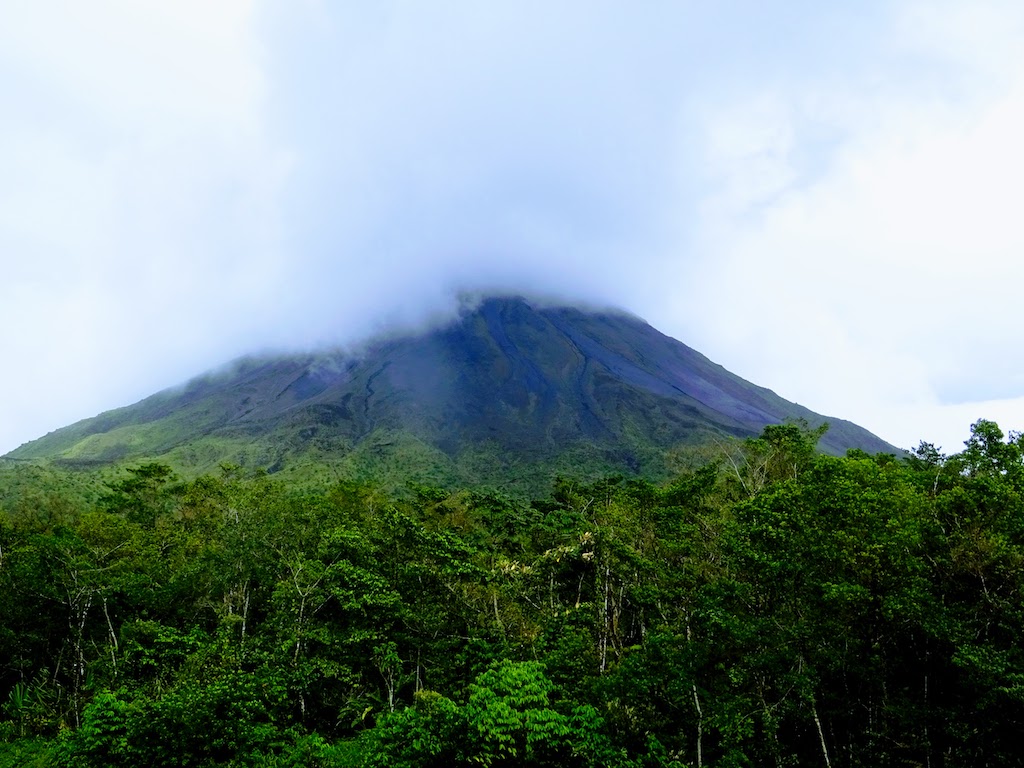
(508, 393)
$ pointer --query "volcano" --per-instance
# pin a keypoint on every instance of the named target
(509, 392)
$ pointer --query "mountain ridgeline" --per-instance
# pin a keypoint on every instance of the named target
(509, 392)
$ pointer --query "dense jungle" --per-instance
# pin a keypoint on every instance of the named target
(768, 606)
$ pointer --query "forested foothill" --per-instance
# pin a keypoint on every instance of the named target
(770, 606)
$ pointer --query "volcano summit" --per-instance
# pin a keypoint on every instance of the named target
(508, 390)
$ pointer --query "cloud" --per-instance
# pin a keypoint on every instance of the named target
(888, 280)
(138, 193)
(463, 146)
(818, 197)
(522, 146)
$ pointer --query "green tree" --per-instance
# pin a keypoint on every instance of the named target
(510, 719)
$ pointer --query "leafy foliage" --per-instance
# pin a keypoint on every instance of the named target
(770, 605)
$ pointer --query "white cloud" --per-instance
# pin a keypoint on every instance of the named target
(138, 192)
(141, 70)
(821, 198)
(891, 280)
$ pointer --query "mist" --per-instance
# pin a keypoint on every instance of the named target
(822, 200)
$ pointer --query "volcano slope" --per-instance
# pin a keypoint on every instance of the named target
(510, 393)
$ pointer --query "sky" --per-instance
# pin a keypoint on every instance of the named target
(825, 198)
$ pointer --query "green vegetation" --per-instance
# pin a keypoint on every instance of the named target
(768, 605)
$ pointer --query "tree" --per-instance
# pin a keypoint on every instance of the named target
(780, 453)
(509, 720)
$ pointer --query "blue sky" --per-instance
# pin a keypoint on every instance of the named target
(824, 199)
